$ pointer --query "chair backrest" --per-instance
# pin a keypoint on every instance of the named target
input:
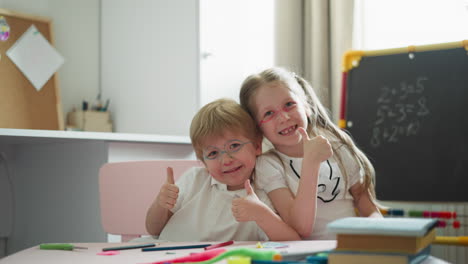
(127, 189)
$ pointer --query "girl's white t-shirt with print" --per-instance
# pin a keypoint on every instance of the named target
(333, 198)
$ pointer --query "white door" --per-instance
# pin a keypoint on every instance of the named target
(236, 40)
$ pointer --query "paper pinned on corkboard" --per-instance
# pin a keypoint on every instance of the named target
(35, 57)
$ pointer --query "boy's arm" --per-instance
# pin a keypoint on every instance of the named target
(159, 212)
(156, 218)
(250, 208)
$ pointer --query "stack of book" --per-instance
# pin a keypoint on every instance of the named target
(382, 240)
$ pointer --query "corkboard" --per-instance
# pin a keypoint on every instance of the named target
(21, 105)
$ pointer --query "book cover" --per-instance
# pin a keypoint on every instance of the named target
(383, 243)
(354, 257)
(395, 226)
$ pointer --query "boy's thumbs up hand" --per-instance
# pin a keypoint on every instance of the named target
(249, 190)
(317, 149)
(169, 192)
(170, 175)
(246, 208)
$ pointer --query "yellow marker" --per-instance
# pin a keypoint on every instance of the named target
(239, 260)
(259, 245)
(449, 240)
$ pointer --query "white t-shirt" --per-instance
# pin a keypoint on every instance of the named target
(333, 201)
(203, 212)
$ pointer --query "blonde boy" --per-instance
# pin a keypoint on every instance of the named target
(201, 207)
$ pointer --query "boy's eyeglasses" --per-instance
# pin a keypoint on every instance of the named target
(271, 114)
(231, 147)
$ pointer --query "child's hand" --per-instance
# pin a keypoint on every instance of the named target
(317, 149)
(169, 192)
(246, 208)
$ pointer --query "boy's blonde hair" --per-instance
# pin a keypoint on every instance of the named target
(319, 122)
(221, 115)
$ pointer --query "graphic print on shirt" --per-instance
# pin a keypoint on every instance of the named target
(327, 191)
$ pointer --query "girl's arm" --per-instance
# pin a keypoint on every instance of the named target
(300, 214)
(297, 211)
(250, 208)
(274, 227)
(363, 201)
(159, 212)
(300, 211)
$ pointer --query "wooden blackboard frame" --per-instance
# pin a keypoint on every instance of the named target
(21, 105)
(405, 108)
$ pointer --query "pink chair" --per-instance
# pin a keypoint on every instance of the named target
(127, 189)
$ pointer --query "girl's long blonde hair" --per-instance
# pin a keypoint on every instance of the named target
(319, 122)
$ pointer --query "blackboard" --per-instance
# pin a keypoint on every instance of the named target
(21, 105)
(408, 111)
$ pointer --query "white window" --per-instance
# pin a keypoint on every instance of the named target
(383, 24)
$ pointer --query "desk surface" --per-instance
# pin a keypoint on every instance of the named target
(19, 136)
(35, 255)
(80, 256)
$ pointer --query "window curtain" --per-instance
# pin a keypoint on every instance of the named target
(327, 26)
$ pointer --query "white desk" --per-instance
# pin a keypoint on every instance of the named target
(55, 177)
(78, 256)
(35, 255)
(55, 180)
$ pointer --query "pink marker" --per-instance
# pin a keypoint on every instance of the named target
(195, 257)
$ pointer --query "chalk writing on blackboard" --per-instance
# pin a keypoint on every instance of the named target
(401, 109)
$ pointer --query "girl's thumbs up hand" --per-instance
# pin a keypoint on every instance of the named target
(246, 208)
(317, 149)
(169, 192)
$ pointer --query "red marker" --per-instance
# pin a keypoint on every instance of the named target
(227, 243)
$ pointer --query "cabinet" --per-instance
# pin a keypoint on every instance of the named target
(54, 180)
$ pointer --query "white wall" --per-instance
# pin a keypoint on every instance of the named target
(144, 56)
(150, 64)
(76, 32)
(150, 58)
